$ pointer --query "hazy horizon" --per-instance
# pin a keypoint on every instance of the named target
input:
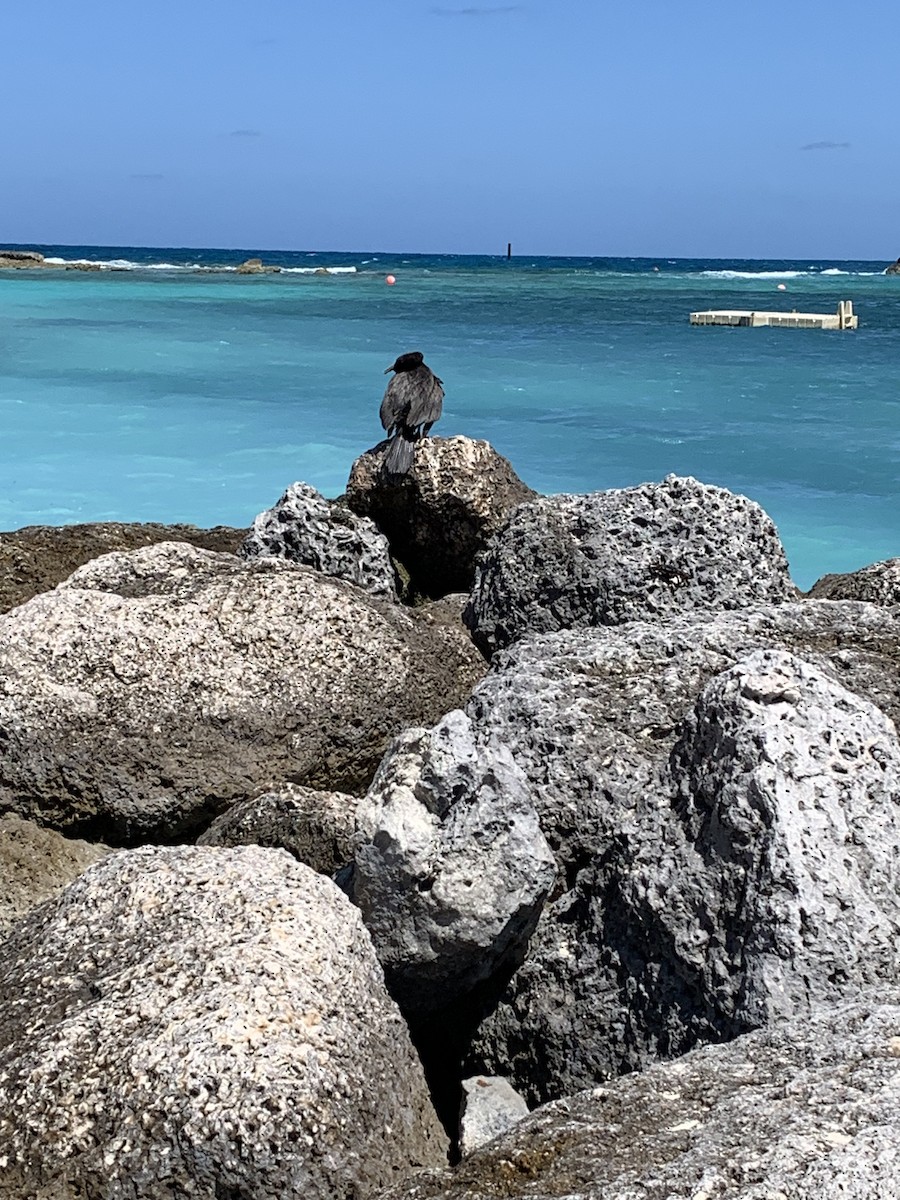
(396, 253)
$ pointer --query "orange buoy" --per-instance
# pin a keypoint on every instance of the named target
(390, 279)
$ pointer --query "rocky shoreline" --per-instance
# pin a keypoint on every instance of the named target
(330, 847)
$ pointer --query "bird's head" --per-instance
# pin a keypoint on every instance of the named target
(407, 362)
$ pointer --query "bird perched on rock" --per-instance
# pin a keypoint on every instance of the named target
(411, 405)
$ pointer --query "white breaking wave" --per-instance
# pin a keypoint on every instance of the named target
(835, 271)
(124, 264)
(120, 264)
(316, 270)
(753, 274)
(159, 266)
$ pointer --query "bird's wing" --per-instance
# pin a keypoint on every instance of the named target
(428, 398)
(395, 404)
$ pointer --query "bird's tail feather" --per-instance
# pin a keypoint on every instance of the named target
(398, 457)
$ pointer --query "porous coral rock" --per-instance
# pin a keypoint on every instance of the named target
(153, 689)
(637, 954)
(802, 1111)
(450, 865)
(641, 553)
(304, 527)
(440, 515)
(203, 1022)
(316, 827)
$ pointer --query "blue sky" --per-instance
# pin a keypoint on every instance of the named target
(643, 127)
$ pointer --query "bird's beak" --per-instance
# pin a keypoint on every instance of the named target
(388, 369)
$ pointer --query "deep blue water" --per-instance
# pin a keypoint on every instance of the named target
(162, 393)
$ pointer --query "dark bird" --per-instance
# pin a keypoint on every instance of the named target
(411, 405)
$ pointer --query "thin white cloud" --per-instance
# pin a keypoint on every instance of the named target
(478, 10)
(826, 146)
(245, 133)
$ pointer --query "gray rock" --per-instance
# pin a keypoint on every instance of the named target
(446, 612)
(878, 583)
(584, 712)
(451, 867)
(36, 864)
(619, 969)
(176, 570)
(255, 266)
(306, 528)
(203, 1022)
(139, 714)
(38, 557)
(316, 827)
(441, 514)
(641, 553)
(803, 1111)
(490, 1106)
(23, 257)
(787, 787)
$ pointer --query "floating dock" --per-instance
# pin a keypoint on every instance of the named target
(842, 319)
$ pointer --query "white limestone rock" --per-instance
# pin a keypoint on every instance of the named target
(642, 949)
(878, 583)
(316, 827)
(157, 687)
(806, 1110)
(440, 515)
(175, 569)
(207, 1023)
(450, 865)
(641, 553)
(787, 787)
(36, 864)
(304, 527)
(490, 1106)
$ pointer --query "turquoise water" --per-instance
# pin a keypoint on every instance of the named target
(162, 393)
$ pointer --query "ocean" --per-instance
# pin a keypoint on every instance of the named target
(152, 390)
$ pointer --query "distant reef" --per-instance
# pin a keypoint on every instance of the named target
(19, 260)
(893, 269)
